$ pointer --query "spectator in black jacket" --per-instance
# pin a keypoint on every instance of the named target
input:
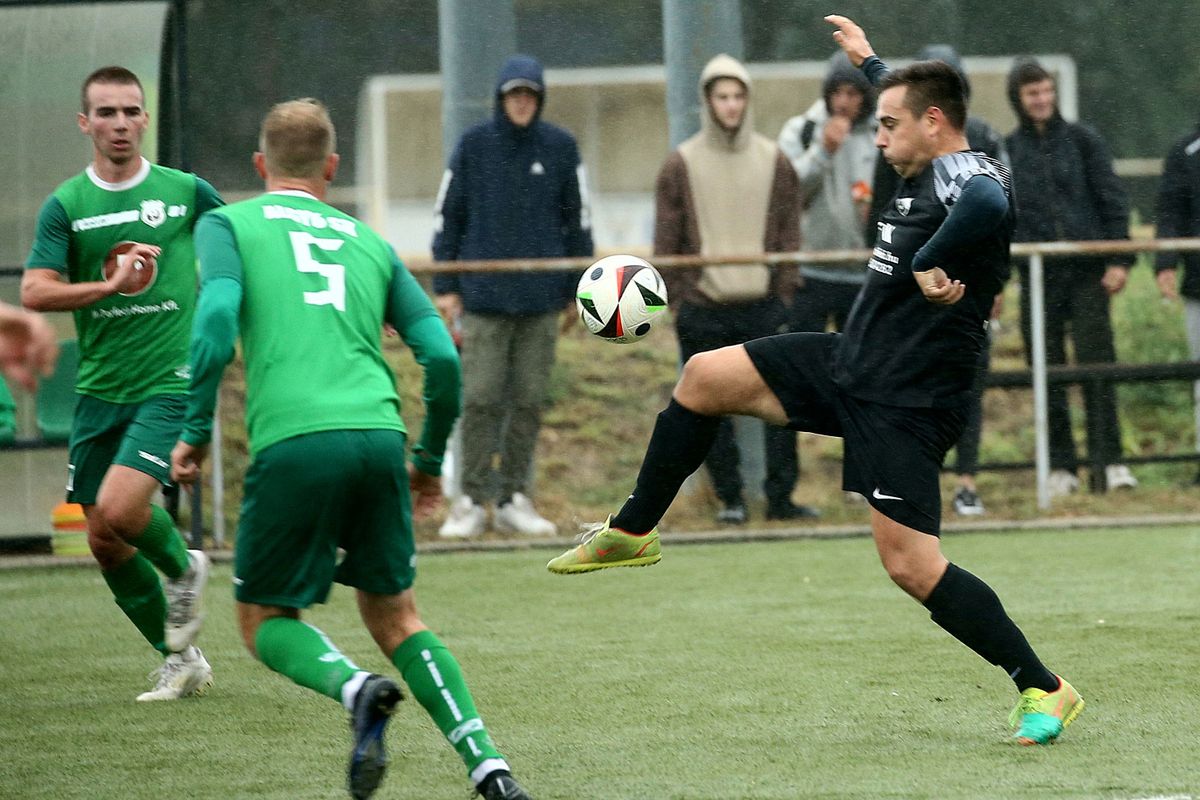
(1178, 215)
(1066, 190)
(514, 189)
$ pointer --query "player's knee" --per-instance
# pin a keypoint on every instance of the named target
(121, 517)
(109, 550)
(914, 575)
(699, 382)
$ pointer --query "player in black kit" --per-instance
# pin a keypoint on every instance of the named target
(894, 385)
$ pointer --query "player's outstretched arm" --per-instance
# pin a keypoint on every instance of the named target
(851, 38)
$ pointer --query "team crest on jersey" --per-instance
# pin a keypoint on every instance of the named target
(904, 205)
(154, 212)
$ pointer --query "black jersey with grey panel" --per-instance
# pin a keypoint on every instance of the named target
(898, 348)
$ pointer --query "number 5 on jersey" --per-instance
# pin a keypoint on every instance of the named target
(335, 274)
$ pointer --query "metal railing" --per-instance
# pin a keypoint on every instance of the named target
(1036, 252)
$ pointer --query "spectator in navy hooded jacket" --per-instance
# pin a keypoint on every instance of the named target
(514, 188)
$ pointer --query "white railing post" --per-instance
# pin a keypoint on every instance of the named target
(218, 480)
(1037, 352)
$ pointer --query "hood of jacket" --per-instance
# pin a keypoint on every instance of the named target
(841, 71)
(725, 66)
(519, 71)
(1018, 76)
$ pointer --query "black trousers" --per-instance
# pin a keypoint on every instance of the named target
(1078, 306)
(818, 301)
(966, 451)
(702, 328)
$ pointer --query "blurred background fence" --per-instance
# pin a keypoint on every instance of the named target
(212, 67)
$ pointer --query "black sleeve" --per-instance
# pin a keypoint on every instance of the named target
(1171, 209)
(1108, 194)
(875, 70)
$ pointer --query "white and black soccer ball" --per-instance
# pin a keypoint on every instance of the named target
(620, 297)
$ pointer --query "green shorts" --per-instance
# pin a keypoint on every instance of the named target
(136, 435)
(308, 496)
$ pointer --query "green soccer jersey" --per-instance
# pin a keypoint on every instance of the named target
(314, 288)
(132, 346)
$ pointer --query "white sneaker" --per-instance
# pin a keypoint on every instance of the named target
(1118, 476)
(1062, 483)
(519, 516)
(184, 613)
(466, 519)
(185, 674)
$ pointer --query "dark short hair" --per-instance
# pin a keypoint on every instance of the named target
(110, 74)
(1028, 70)
(931, 83)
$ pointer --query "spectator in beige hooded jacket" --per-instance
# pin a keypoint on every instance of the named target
(725, 191)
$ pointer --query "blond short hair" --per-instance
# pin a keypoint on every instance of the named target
(296, 138)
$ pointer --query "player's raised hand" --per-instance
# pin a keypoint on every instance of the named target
(186, 460)
(938, 288)
(426, 492)
(851, 38)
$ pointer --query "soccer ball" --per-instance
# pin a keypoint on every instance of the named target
(619, 298)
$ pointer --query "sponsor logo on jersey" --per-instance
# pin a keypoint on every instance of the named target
(904, 205)
(886, 231)
(104, 220)
(154, 212)
(537, 169)
(882, 260)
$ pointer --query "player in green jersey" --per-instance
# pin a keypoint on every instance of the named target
(308, 289)
(114, 246)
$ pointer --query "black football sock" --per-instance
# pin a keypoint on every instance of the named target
(677, 448)
(970, 611)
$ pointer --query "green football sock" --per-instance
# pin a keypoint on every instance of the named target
(436, 681)
(138, 592)
(304, 654)
(161, 543)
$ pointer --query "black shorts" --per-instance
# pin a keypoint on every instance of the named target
(892, 455)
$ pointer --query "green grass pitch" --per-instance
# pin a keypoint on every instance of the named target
(775, 670)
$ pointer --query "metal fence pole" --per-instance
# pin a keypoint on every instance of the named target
(1037, 347)
(218, 481)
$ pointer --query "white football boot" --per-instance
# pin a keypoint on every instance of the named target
(184, 674)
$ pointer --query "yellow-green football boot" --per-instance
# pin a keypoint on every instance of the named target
(605, 546)
(1041, 716)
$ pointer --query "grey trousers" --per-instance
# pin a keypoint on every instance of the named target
(506, 370)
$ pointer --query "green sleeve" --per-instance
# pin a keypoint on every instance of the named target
(206, 197)
(413, 316)
(52, 239)
(215, 329)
